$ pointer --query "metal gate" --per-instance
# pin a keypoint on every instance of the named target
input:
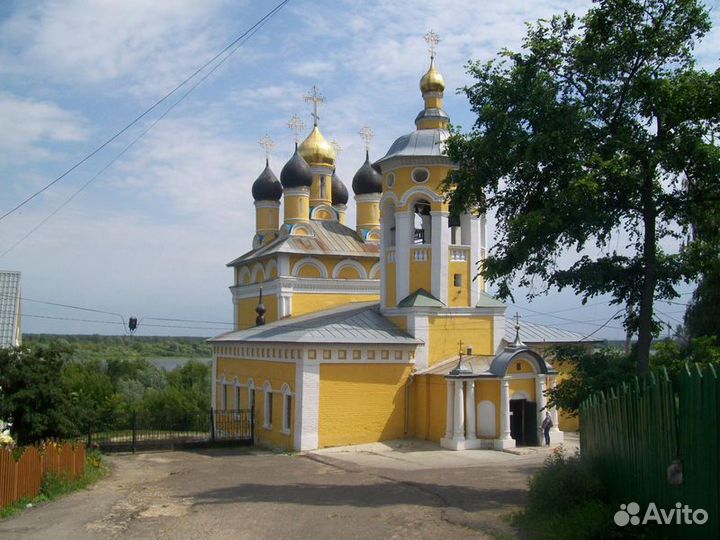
(135, 431)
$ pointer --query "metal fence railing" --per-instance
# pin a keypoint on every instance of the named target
(658, 441)
(135, 431)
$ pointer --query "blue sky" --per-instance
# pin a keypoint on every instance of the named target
(151, 236)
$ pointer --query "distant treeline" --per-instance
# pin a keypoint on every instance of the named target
(97, 347)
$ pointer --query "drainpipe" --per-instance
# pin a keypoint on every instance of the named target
(407, 401)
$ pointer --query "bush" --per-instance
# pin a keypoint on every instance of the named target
(566, 500)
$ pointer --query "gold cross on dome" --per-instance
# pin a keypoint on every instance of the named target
(315, 97)
(296, 125)
(367, 135)
(432, 39)
(517, 320)
(267, 143)
(460, 345)
(337, 147)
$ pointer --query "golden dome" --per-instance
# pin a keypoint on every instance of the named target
(432, 81)
(316, 150)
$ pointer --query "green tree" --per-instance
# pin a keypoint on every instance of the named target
(591, 372)
(32, 398)
(702, 317)
(602, 131)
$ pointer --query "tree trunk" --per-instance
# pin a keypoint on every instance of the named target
(647, 294)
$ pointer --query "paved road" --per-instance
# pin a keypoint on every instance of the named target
(366, 493)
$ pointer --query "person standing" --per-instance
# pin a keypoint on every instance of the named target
(546, 425)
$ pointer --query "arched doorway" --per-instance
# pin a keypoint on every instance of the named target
(523, 420)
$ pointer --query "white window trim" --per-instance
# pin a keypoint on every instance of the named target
(286, 414)
(267, 396)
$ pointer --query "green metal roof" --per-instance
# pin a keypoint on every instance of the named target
(486, 300)
(420, 298)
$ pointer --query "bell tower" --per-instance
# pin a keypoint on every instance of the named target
(429, 255)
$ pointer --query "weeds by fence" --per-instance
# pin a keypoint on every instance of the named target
(22, 477)
(658, 441)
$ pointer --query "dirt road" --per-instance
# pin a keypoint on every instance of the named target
(239, 494)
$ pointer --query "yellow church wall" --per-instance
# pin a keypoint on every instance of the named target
(459, 296)
(361, 403)
(310, 303)
(437, 400)
(267, 219)
(309, 271)
(420, 274)
(404, 182)
(399, 321)
(520, 366)
(527, 386)
(368, 214)
(445, 332)
(297, 207)
(489, 391)
(277, 374)
(247, 314)
(348, 272)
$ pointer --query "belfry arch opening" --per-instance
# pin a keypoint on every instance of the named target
(422, 224)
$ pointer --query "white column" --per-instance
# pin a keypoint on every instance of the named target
(440, 236)
(449, 411)
(402, 254)
(540, 400)
(307, 403)
(470, 406)
(470, 236)
(505, 409)
(459, 424)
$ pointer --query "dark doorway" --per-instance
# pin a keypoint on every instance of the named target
(523, 422)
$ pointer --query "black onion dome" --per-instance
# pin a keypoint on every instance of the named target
(339, 191)
(296, 172)
(367, 179)
(267, 187)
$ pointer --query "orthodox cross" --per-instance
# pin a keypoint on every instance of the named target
(367, 135)
(337, 147)
(460, 344)
(432, 39)
(296, 125)
(315, 97)
(517, 321)
(267, 143)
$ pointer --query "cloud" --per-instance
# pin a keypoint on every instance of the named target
(27, 125)
(148, 46)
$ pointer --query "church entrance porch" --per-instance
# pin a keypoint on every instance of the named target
(523, 422)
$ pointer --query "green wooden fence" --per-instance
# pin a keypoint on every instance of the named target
(633, 434)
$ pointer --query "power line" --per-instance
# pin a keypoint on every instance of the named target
(184, 320)
(132, 143)
(603, 326)
(259, 23)
(34, 316)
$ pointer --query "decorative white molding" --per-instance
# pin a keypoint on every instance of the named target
(349, 263)
(267, 204)
(420, 253)
(420, 191)
(403, 224)
(291, 285)
(270, 265)
(390, 255)
(419, 328)
(374, 271)
(256, 271)
(244, 276)
(326, 207)
(368, 198)
(310, 261)
(459, 254)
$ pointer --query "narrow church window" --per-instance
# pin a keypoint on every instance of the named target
(268, 408)
(237, 397)
(457, 280)
(223, 404)
(287, 411)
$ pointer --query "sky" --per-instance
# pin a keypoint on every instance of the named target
(150, 236)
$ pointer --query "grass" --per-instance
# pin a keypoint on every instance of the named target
(56, 485)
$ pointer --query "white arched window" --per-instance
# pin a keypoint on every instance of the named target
(287, 409)
(251, 394)
(268, 408)
(223, 393)
(236, 392)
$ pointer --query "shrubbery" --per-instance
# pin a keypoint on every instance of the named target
(567, 501)
(46, 393)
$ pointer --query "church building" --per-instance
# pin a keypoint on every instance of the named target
(356, 334)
